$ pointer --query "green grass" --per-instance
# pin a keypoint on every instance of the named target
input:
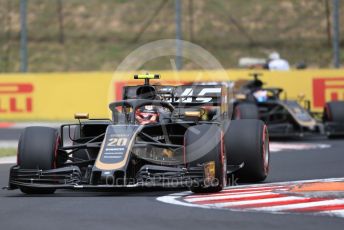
(98, 35)
(6, 152)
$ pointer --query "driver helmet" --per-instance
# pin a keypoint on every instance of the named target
(261, 95)
(146, 92)
(274, 56)
(147, 114)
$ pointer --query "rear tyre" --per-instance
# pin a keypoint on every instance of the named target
(334, 111)
(204, 144)
(248, 141)
(37, 149)
(246, 111)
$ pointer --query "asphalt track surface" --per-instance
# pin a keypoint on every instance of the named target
(10, 134)
(140, 209)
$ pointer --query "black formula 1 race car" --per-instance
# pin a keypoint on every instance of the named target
(285, 118)
(158, 136)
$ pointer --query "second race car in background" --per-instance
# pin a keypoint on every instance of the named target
(285, 117)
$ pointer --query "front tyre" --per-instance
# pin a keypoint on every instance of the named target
(334, 111)
(37, 149)
(333, 118)
(204, 145)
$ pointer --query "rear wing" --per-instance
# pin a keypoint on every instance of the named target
(199, 94)
(202, 94)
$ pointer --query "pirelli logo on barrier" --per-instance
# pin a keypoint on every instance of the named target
(327, 89)
(16, 98)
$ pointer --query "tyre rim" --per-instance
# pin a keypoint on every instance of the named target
(266, 150)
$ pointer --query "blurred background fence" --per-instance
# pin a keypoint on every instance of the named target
(79, 35)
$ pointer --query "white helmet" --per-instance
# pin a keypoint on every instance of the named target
(274, 56)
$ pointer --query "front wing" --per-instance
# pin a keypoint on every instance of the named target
(71, 178)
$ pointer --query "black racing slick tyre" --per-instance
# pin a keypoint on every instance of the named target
(246, 111)
(204, 145)
(247, 141)
(37, 149)
(334, 111)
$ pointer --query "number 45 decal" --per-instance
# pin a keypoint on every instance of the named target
(202, 94)
(118, 141)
